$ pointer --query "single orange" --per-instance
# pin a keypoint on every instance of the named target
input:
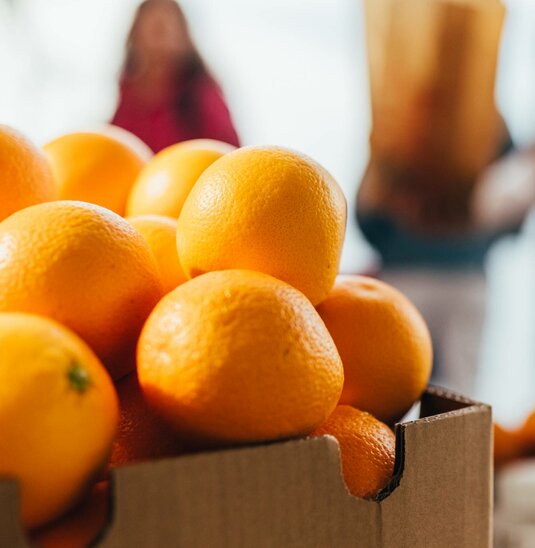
(384, 344)
(526, 435)
(26, 177)
(81, 526)
(160, 234)
(367, 449)
(508, 445)
(58, 414)
(267, 209)
(85, 267)
(165, 182)
(129, 139)
(142, 435)
(238, 356)
(94, 167)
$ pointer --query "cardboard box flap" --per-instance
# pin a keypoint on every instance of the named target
(438, 401)
(444, 475)
(435, 402)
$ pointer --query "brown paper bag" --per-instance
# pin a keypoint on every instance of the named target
(432, 66)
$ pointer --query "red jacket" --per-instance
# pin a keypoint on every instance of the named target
(159, 124)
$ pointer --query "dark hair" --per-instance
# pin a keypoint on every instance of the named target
(189, 69)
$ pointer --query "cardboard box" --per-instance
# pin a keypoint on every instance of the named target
(292, 493)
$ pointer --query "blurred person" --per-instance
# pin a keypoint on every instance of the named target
(434, 241)
(167, 94)
(414, 219)
(447, 226)
(435, 131)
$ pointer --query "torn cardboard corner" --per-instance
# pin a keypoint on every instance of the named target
(292, 493)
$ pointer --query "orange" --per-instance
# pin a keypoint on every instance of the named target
(58, 414)
(367, 449)
(160, 234)
(508, 445)
(84, 266)
(142, 435)
(165, 182)
(384, 344)
(238, 356)
(266, 209)
(129, 139)
(26, 177)
(94, 167)
(526, 435)
(80, 527)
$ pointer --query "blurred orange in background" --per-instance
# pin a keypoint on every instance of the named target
(26, 176)
(95, 168)
(165, 182)
(160, 234)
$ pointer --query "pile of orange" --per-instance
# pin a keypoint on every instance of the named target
(210, 316)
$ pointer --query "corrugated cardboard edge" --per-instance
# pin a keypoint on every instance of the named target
(292, 493)
(459, 405)
(445, 477)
